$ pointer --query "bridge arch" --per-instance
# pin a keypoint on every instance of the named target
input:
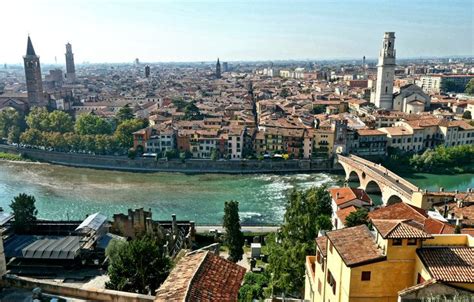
(373, 187)
(354, 179)
(393, 200)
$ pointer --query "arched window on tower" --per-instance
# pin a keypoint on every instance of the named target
(386, 89)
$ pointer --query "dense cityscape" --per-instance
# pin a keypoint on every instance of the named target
(360, 150)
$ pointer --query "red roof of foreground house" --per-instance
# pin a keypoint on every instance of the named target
(342, 214)
(356, 245)
(202, 276)
(347, 194)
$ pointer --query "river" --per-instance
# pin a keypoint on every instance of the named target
(72, 193)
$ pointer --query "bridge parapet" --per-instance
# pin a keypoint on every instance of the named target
(385, 170)
(387, 180)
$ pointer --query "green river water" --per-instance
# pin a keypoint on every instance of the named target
(72, 193)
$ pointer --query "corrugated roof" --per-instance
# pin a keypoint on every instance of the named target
(94, 221)
(53, 248)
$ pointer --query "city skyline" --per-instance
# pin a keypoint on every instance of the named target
(243, 31)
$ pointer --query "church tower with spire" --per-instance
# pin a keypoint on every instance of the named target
(383, 97)
(218, 69)
(34, 82)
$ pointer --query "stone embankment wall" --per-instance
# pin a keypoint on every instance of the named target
(122, 163)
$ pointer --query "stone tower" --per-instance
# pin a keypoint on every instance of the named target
(147, 71)
(218, 69)
(385, 73)
(34, 83)
(70, 68)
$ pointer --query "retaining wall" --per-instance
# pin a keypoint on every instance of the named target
(123, 163)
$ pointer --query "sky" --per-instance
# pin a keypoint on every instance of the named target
(252, 30)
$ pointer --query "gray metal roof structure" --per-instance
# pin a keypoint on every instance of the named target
(94, 222)
(53, 248)
(5, 217)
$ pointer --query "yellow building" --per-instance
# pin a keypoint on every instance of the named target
(396, 261)
(324, 136)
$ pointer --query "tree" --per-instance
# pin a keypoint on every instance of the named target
(24, 211)
(317, 109)
(38, 119)
(470, 87)
(92, 124)
(14, 135)
(323, 223)
(124, 113)
(9, 118)
(253, 287)
(139, 266)
(234, 238)
(214, 154)
(307, 212)
(124, 132)
(284, 93)
(191, 112)
(31, 137)
(357, 218)
(60, 121)
(467, 115)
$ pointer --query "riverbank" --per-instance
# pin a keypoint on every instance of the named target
(11, 157)
(194, 166)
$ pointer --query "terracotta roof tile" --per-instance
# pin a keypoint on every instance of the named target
(321, 242)
(390, 229)
(202, 276)
(342, 214)
(347, 194)
(356, 245)
(450, 264)
(399, 210)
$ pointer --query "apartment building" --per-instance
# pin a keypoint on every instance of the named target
(396, 260)
(439, 83)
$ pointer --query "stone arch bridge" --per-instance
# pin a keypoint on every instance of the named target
(374, 178)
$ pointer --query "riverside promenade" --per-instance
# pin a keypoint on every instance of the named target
(139, 164)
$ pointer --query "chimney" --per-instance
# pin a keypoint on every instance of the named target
(337, 195)
(441, 189)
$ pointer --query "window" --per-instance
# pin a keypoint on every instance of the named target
(365, 276)
(396, 242)
(412, 241)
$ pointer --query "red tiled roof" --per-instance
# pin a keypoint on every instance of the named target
(342, 214)
(347, 194)
(356, 245)
(399, 210)
(321, 242)
(217, 280)
(202, 276)
(399, 228)
(449, 264)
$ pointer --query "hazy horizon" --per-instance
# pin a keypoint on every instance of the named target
(201, 31)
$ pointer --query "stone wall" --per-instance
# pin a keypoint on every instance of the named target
(189, 166)
(74, 292)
